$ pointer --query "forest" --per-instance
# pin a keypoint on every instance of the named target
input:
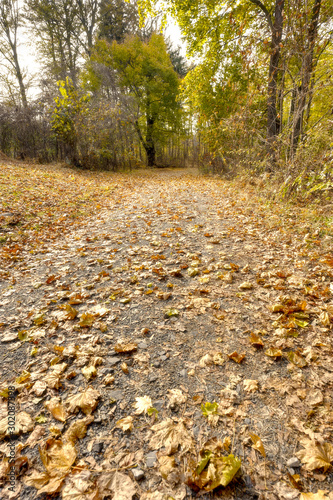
(166, 264)
(253, 94)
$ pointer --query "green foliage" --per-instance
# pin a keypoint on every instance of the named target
(147, 79)
(70, 105)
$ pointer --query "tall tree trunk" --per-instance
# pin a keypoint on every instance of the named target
(19, 77)
(306, 72)
(272, 114)
(276, 27)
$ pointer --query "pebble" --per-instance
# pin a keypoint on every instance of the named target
(163, 358)
(143, 345)
(97, 447)
(117, 394)
(152, 377)
(159, 404)
(151, 459)
(293, 462)
(112, 361)
(156, 364)
(138, 474)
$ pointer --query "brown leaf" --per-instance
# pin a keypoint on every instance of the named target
(78, 429)
(238, 358)
(129, 347)
(316, 455)
(86, 401)
(57, 456)
(56, 408)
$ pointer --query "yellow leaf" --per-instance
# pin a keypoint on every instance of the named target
(238, 358)
(89, 372)
(320, 495)
(257, 444)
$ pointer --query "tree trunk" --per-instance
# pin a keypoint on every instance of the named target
(307, 70)
(272, 114)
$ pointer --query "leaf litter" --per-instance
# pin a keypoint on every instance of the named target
(120, 389)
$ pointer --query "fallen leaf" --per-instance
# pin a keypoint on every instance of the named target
(125, 424)
(57, 456)
(256, 341)
(176, 396)
(273, 353)
(167, 465)
(171, 436)
(23, 423)
(142, 404)
(126, 347)
(78, 429)
(246, 286)
(297, 359)
(251, 385)
(257, 444)
(238, 358)
(119, 484)
(320, 495)
(86, 401)
(316, 455)
(89, 372)
(79, 487)
(56, 408)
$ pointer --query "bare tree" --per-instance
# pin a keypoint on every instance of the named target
(10, 19)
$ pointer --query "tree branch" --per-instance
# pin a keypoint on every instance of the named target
(262, 7)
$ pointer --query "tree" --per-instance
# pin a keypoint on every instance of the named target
(118, 19)
(10, 19)
(145, 74)
(270, 39)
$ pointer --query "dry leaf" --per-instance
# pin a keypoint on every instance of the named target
(206, 360)
(142, 405)
(315, 397)
(176, 397)
(273, 353)
(126, 347)
(316, 455)
(79, 487)
(34, 437)
(119, 484)
(167, 465)
(23, 424)
(56, 408)
(125, 424)
(251, 385)
(320, 495)
(246, 286)
(39, 388)
(256, 341)
(238, 358)
(86, 401)
(124, 368)
(57, 457)
(171, 436)
(78, 429)
(108, 379)
(89, 372)
(257, 444)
